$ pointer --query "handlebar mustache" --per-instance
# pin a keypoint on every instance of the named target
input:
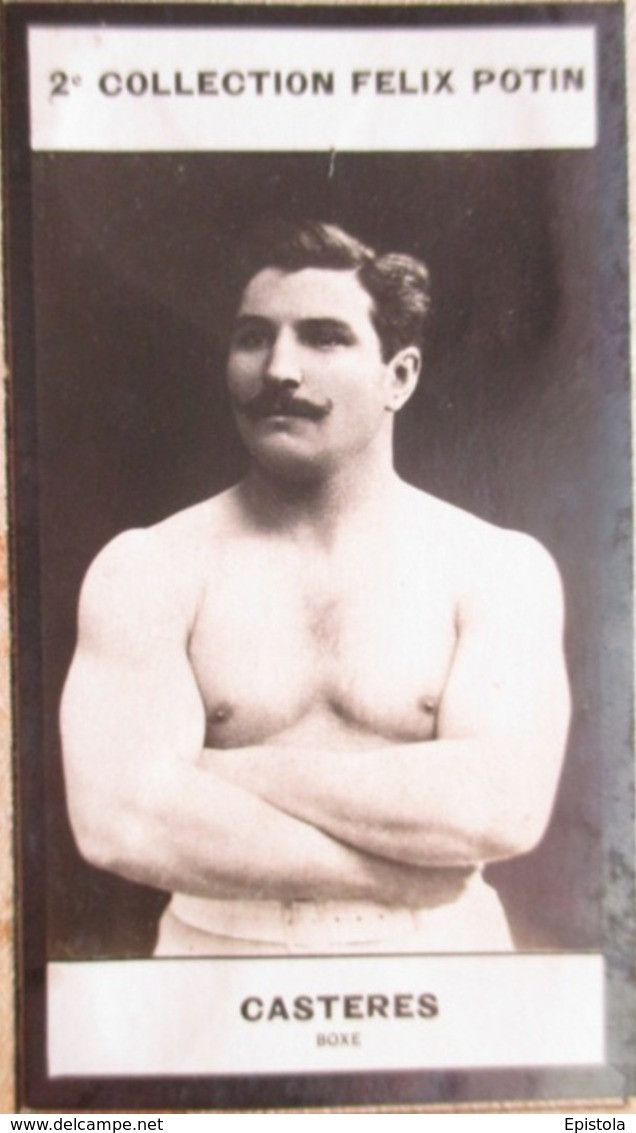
(271, 403)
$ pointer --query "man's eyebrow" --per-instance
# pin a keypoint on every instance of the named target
(245, 317)
(326, 322)
(310, 323)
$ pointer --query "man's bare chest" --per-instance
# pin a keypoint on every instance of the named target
(360, 653)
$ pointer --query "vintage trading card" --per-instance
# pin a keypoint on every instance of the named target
(321, 521)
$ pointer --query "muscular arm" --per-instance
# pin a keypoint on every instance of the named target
(133, 725)
(484, 789)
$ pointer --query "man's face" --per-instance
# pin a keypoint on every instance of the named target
(305, 370)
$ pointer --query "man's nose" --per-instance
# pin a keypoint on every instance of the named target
(283, 362)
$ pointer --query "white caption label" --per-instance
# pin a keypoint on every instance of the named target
(345, 1013)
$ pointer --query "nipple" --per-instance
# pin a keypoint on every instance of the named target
(428, 704)
(221, 713)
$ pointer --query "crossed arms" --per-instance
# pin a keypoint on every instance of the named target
(147, 801)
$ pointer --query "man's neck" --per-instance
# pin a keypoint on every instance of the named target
(319, 509)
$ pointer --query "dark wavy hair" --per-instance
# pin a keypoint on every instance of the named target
(398, 284)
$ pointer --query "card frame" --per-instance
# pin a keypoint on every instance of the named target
(376, 1090)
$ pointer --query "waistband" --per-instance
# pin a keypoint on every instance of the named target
(306, 922)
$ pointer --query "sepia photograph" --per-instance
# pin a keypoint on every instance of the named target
(321, 521)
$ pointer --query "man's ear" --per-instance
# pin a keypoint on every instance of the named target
(403, 374)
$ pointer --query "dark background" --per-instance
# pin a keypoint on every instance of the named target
(133, 424)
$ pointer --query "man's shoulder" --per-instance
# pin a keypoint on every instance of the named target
(157, 568)
(179, 539)
(195, 528)
(483, 554)
(128, 584)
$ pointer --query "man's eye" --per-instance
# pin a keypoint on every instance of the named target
(325, 337)
(250, 338)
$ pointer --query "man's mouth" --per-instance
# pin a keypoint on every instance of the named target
(282, 404)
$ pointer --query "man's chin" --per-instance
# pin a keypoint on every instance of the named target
(284, 456)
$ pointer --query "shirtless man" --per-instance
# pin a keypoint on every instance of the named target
(315, 705)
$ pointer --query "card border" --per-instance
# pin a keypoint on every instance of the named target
(24, 527)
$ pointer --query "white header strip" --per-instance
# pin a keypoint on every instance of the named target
(307, 89)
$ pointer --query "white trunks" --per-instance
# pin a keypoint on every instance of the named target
(472, 921)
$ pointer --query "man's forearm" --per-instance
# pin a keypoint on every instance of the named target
(438, 803)
(197, 833)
